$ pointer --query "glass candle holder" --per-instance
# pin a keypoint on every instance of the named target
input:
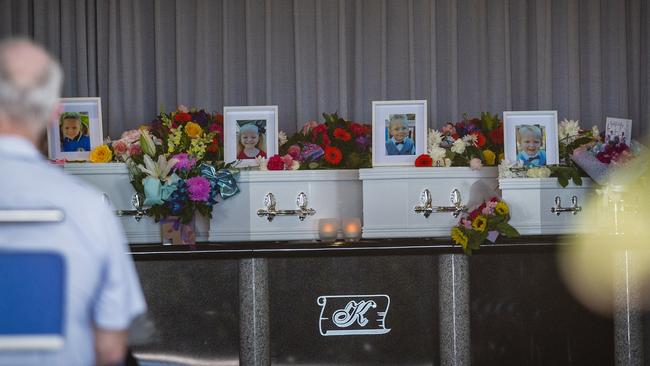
(352, 228)
(328, 229)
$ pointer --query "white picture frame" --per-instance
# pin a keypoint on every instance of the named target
(414, 112)
(618, 130)
(88, 114)
(517, 123)
(265, 121)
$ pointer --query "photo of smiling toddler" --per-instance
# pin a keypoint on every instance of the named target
(73, 128)
(530, 145)
(400, 139)
(251, 139)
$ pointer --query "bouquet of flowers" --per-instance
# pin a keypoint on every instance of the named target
(174, 163)
(600, 160)
(337, 143)
(485, 222)
(472, 142)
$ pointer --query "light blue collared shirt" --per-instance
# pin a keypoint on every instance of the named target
(102, 290)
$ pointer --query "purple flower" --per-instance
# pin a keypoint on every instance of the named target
(311, 152)
(199, 188)
(200, 117)
(185, 161)
(362, 142)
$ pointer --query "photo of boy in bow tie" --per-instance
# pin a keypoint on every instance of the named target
(530, 145)
(399, 142)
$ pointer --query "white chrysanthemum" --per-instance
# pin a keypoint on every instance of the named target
(434, 139)
(569, 129)
(282, 138)
(595, 131)
(459, 146)
(437, 153)
(470, 139)
(505, 168)
(538, 172)
(447, 162)
(295, 165)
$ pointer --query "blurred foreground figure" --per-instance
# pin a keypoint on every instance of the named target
(613, 258)
(102, 292)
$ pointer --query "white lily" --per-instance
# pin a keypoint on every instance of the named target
(159, 170)
(147, 143)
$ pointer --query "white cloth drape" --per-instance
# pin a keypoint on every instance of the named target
(588, 59)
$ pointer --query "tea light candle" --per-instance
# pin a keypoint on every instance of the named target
(328, 229)
(352, 228)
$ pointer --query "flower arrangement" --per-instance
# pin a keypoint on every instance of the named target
(471, 142)
(485, 222)
(337, 144)
(174, 162)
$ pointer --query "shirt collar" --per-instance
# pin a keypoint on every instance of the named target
(20, 147)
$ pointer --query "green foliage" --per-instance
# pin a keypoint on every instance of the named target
(565, 173)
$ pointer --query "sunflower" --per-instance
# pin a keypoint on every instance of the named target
(501, 208)
(459, 237)
(480, 223)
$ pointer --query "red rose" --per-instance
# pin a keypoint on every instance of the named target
(357, 129)
(275, 163)
(480, 139)
(496, 135)
(214, 146)
(424, 160)
(319, 130)
(341, 134)
(216, 128)
(182, 117)
(218, 118)
(333, 155)
(326, 141)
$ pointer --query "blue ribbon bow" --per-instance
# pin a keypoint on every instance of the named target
(155, 192)
(225, 179)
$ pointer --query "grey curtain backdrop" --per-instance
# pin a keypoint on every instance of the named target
(588, 59)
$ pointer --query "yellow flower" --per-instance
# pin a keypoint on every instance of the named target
(489, 157)
(501, 157)
(501, 208)
(101, 154)
(459, 237)
(479, 223)
(193, 130)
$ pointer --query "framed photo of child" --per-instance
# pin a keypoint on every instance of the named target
(531, 137)
(250, 132)
(399, 131)
(77, 129)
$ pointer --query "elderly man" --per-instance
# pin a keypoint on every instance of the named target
(103, 294)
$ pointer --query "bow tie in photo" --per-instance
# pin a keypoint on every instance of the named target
(399, 143)
(536, 157)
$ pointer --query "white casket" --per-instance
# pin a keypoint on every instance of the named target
(326, 194)
(113, 179)
(417, 202)
(540, 206)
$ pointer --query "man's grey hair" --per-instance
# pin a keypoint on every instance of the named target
(28, 104)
